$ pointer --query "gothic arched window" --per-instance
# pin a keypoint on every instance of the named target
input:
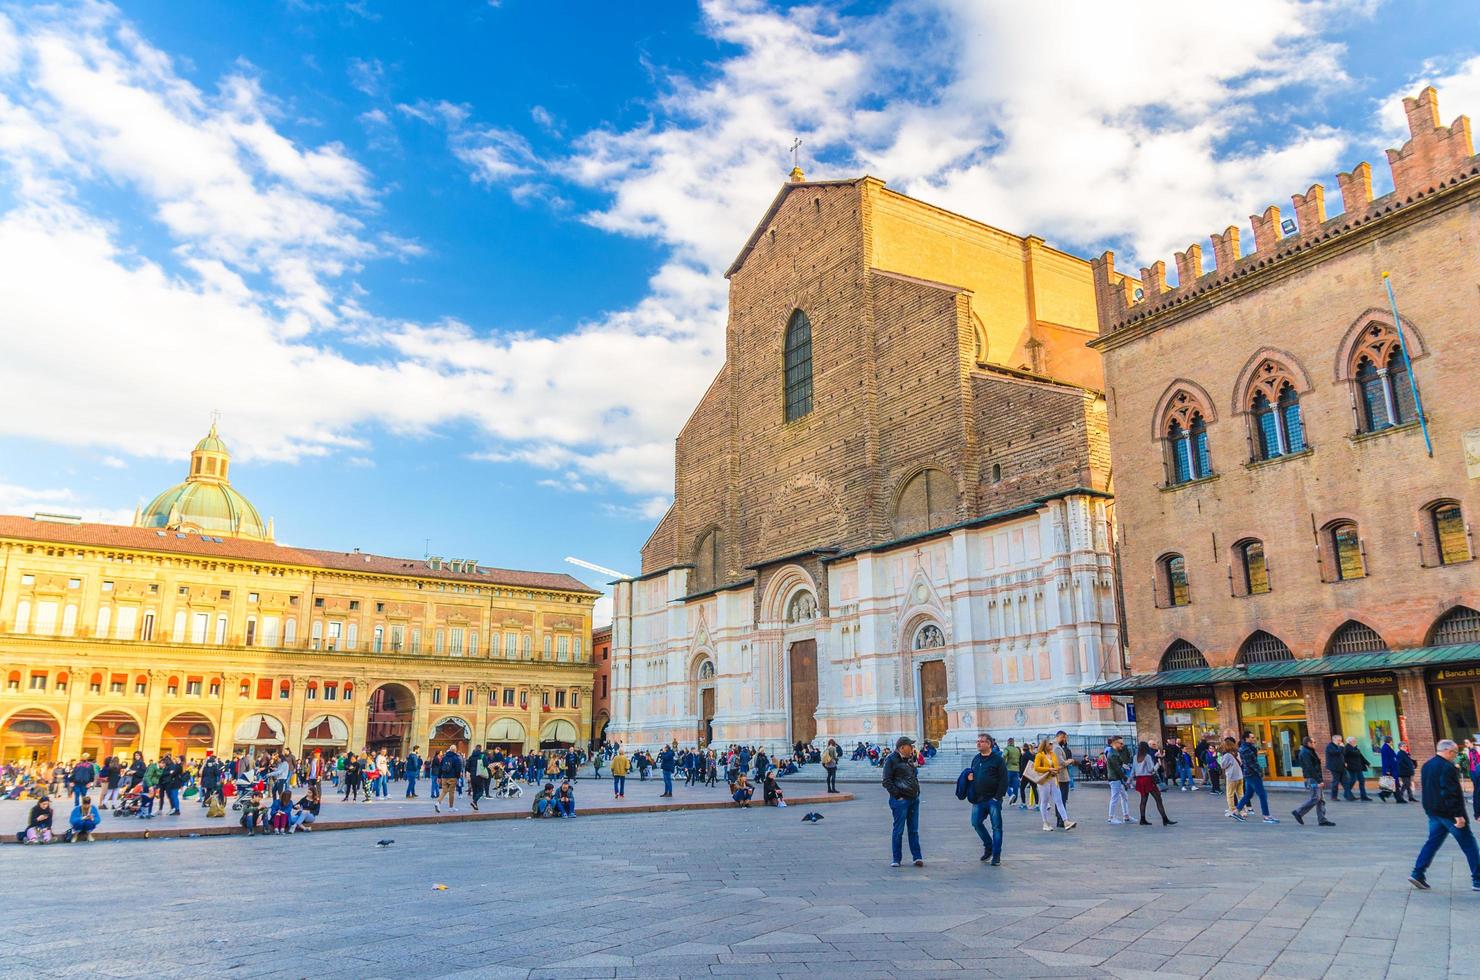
(798, 366)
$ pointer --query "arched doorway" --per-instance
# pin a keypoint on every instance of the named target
(326, 735)
(189, 737)
(704, 699)
(506, 734)
(392, 714)
(558, 734)
(111, 733)
(28, 736)
(450, 733)
(258, 734)
(934, 688)
(598, 729)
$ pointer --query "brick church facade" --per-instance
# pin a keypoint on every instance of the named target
(892, 509)
(1296, 559)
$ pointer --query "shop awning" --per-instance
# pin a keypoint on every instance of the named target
(1351, 663)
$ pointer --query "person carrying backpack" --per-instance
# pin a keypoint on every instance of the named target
(986, 782)
(452, 767)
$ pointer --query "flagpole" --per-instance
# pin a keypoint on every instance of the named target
(1408, 364)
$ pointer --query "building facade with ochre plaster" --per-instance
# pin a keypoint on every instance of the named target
(892, 508)
(191, 630)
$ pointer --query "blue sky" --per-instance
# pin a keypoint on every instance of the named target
(453, 271)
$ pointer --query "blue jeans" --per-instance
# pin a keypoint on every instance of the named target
(619, 785)
(988, 810)
(567, 808)
(1439, 827)
(411, 784)
(174, 796)
(1184, 773)
(1014, 783)
(906, 816)
(667, 783)
(78, 792)
(1254, 785)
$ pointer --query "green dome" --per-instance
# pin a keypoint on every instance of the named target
(207, 507)
(211, 443)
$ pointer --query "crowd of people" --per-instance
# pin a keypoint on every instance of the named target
(1001, 776)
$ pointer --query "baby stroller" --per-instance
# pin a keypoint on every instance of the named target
(129, 802)
(244, 787)
(507, 789)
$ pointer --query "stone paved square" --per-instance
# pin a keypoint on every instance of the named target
(755, 893)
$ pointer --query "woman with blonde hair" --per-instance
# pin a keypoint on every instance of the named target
(1045, 775)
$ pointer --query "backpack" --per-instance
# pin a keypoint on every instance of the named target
(963, 785)
(451, 767)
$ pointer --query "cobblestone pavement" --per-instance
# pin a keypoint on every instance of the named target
(755, 893)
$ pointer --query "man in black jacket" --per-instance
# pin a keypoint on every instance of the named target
(171, 778)
(1444, 802)
(1357, 765)
(1310, 768)
(985, 786)
(903, 786)
(1336, 766)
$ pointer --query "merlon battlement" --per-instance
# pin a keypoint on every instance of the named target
(1434, 156)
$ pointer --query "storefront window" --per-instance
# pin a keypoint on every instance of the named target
(1188, 715)
(1455, 702)
(1276, 716)
(1367, 710)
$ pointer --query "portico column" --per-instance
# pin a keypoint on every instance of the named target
(154, 715)
(360, 720)
(480, 712)
(226, 723)
(421, 718)
(293, 737)
(78, 677)
(532, 732)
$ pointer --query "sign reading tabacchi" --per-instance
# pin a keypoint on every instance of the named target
(1277, 694)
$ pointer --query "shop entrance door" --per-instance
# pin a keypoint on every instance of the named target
(1279, 743)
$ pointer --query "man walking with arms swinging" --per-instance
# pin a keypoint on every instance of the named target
(1444, 802)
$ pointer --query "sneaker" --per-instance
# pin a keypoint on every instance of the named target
(986, 855)
(1419, 882)
(436, 806)
(473, 805)
(1298, 818)
(919, 862)
(1270, 820)
(1325, 823)
(1114, 822)
(1048, 827)
(1071, 825)
(1237, 816)
(997, 864)
(893, 864)
(1228, 813)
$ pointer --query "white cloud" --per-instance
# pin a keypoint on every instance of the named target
(16, 499)
(1459, 94)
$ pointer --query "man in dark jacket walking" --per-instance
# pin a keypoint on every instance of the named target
(985, 785)
(1444, 802)
(1248, 757)
(1310, 768)
(1357, 765)
(903, 786)
(1336, 766)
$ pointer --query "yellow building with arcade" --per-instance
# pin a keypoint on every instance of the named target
(192, 630)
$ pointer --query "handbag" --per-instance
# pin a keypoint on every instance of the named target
(1037, 778)
(1388, 783)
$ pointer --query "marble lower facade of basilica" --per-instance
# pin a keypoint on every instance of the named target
(995, 624)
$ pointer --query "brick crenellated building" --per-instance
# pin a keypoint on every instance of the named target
(891, 508)
(1295, 560)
